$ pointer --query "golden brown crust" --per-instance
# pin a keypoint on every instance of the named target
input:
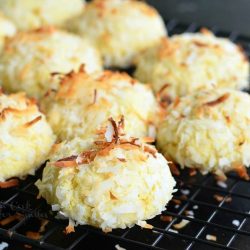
(30, 36)
(103, 147)
(70, 82)
(103, 8)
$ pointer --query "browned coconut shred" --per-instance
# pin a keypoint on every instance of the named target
(10, 183)
(218, 100)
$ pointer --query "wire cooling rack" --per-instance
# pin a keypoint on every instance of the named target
(216, 215)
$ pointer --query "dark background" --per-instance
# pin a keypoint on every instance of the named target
(228, 15)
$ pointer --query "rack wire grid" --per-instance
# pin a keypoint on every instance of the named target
(207, 206)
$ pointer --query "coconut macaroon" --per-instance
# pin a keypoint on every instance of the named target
(29, 59)
(32, 14)
(84, 102)
(119, 29)
(179, 65)
(208, 130)
(26, 137)
(118, 183)
(7, 29)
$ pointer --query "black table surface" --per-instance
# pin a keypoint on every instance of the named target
(227, 15)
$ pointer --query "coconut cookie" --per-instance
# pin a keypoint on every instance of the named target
(184, 63)
(117, 183)
(30, 60)
(84, 102)
(119, 29)
(25, 139)
(208, 130)
(32, 14)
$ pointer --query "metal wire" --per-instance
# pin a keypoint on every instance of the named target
(228, 219)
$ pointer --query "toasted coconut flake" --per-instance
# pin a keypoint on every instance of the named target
(166, 218)
(119, 248)
(178, 202)
(56, 74)
(148, 226)
(10, 219)
(228, 199)
(106, 150)
(183, 197)
(101, 131)
(44, 223)
(10, 183)
(200, 44)
(148, 139)
(128, 146)
(121, 125)
(32, 122)
(166, 100)
(86, 157)
(218, 100)
(112, 196)
(27, 246)
(205, 31)
(162, 89)
(176, 102)
(174, 169)
(144, 224)
(33, 235)
(95, 97)
(242, 172)
(9, 110)
(192, 172)
(107, 230)
(66, 162)
(211, 237)
(116, 131)
(69, 229)
(163, 98)
(121, 159)
(150, 150)
(181, 225)
(220, 198)
(228, 119)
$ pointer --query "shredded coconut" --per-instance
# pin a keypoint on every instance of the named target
(3, 245)
(236, 223)
(118, 247)
(211, 237)
(222, 184)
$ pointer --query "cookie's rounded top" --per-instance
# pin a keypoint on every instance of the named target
(120, 29)
(30, 58)
(26, 137)
(84, 102)
(119, 182)
(209, 130)
(190, 62)
(32, 14)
